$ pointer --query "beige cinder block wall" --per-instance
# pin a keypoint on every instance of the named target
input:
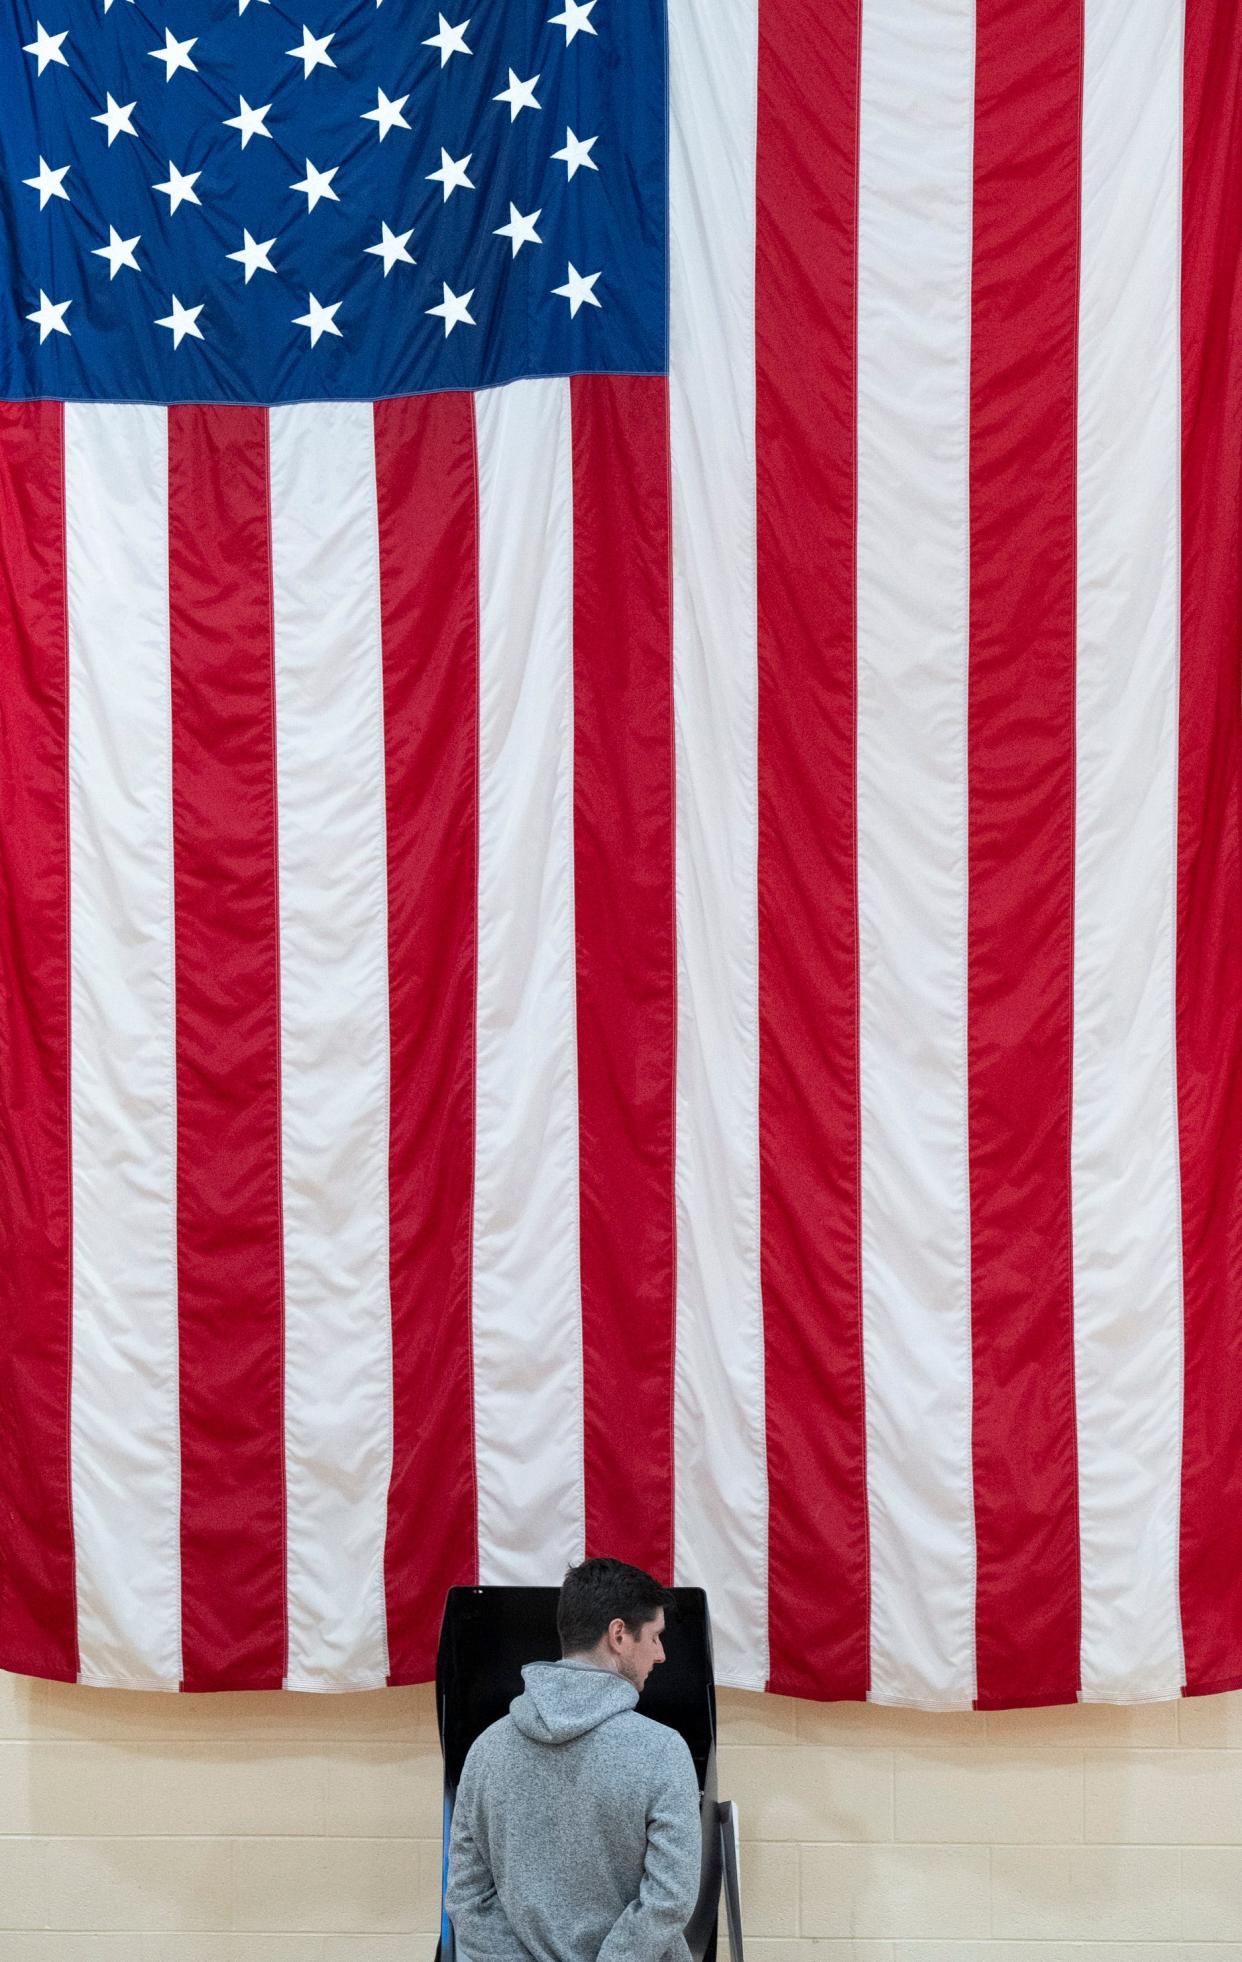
(142, 1828)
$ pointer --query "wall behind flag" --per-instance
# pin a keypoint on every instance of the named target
(294, 1828)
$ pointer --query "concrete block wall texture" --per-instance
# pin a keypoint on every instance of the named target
(143, 1828)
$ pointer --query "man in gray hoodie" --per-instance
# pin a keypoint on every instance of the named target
(576, 1833)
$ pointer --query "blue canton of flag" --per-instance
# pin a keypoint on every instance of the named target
(250, 201)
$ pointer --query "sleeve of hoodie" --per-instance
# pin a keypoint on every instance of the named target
(672, 1868)
(482, 1927)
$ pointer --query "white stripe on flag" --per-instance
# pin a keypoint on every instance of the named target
(1125, 1168)
(125, 1458)
(527, 1294)
(334, 1040)
(721, 1529)
(914, 295)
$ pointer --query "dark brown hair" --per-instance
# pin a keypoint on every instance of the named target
(594, 1593)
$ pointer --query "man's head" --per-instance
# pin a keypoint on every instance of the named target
(613, 1615)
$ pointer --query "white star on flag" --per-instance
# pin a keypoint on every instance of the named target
(449, 40)
(454, 309)
(578, 290)
(575, 19)
(179, 189)
(182, 321)
(174, 54)
(312, 53)
(451, 174)
(118, 252)
(49, 183)
(520, 229)
(387, 114)
(576, 155)
(317, 184)
(117, 120)
(46, 48)
(243, 4)
(49, 316)
(518, 95)
(391, 248)
(319, 319)
(253, 256)
(249, 121)
(108, 5)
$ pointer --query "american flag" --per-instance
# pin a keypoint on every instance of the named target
(620, 794)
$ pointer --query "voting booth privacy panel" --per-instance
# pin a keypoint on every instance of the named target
(485, 1637)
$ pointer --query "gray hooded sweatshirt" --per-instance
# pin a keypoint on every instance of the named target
(576, 1833)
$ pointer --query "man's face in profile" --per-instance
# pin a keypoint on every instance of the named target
(638, 1654)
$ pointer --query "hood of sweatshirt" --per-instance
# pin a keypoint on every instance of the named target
(564, 1700)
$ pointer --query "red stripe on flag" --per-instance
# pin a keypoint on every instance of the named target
(38, 1632)
(428, 534)
(808, 916)
(626, 960)
(229, 1257)
(1021, 764)
(1209, 979)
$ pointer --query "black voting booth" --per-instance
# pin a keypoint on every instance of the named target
(488, 1633)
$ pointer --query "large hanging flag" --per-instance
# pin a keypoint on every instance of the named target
(620, 786)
